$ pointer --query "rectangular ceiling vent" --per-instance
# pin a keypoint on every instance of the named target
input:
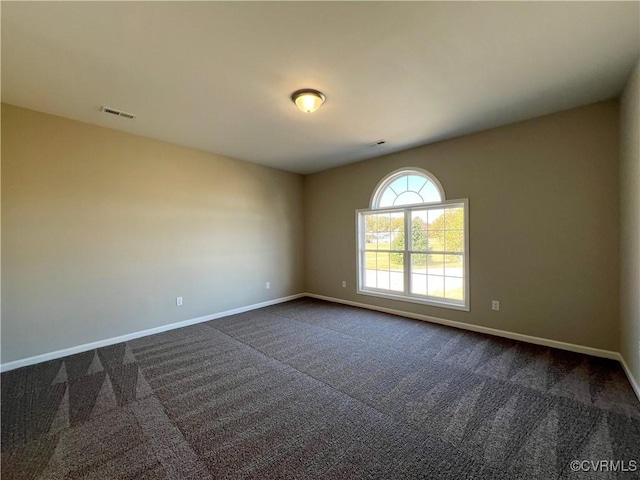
(117, 112)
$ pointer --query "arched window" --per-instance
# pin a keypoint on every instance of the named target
(407, 187)
(413, 243)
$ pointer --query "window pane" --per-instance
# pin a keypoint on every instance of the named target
(370, 223)
(418, 284)
(419, 233)
(454, 219)
(416, 183)
(435, 264)
(384, 240)
(396, 276)
(370, 270)
(382, 279)
(435, 240)
(419, 263)
(435, 286)
(400, 185)
(454, 266)
(382, 222)
(397, 221)
(396, 262)
(432, 218)
(370, 260)
(382, 261)
(387, 198)
(430, 193)
(419, 216)
(454, 288)
(453, 241)
(370, 238)
(396, 281)
(408, 198)
(396, 233)
(418, 274)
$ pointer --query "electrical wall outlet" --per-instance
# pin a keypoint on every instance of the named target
(178, 301)
(267, 285)
(495, 305)
(344, 284)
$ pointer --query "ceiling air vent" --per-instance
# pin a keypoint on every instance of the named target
(118, 113)
(379, 143)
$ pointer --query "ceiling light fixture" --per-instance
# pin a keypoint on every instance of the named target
(307, 99)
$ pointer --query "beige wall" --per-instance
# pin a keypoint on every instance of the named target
(630, 224)
(102, 230)
(543, 200)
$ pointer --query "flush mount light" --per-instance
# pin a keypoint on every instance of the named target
(307, 100)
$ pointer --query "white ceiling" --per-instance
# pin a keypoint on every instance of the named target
(218, 76)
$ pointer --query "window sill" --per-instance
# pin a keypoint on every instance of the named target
(422, 301)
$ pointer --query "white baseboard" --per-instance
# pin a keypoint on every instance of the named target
(596, 352)
(632, 380)
(5, 367)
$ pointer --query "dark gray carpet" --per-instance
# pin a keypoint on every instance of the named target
(314, 390)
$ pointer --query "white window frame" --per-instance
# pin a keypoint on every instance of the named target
(401, 172)
(361, 250)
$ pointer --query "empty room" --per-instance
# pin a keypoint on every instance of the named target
(320, 240)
